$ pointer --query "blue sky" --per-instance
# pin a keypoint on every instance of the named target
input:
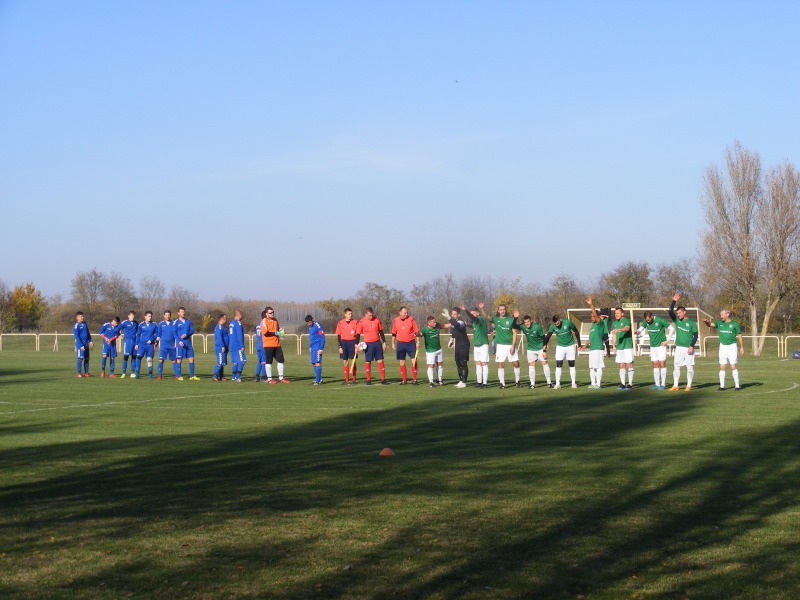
(295, 150)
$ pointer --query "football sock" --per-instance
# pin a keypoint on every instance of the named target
(430, 374)
(176, 368)
(689, 376)
(268, 367)
(160, 368)
(191, 369)
(722, 379)
(676, 377)
(318, 373)
(440, 371)
(368, 370)
(532, 374)
(414, 371)
(630, 376)
(103, 364)
(657, 376)
(663, 375)
(382, 370)
(546, 369)
(346, 372)
(78, 365)
(622, 376)
(501, 375)
(558, 375)
(516, 374)
(280, 370)
(403, 373)
(593, 376)
(125, 365)
(478, 373)
(485, 373)
(735, 373)
(572, 374)
(112, 360)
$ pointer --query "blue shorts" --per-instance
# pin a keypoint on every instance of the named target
(127, 347)
(374, 351)
(348, 349)
(82, 354)
(185, 351)
(238, 356)
(315, 358)
(145, 350)
(406, 349)
(222, 357)
(166, 353)
(261, 355)
(110, 350)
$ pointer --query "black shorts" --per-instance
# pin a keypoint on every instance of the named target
(276, 353)
(348, 349)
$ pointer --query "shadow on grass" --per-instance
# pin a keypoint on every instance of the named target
(551, 498)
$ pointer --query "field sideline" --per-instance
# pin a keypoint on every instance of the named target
(147, 489)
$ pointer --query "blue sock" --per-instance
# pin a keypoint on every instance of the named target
(78, 365)
(112, 360)
(135, 365)
(160, 368)
(103, 365)
(191, 369)
(125, 365)
(318, 373)
(176, 368)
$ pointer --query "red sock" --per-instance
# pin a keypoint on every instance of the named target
(353, 374)
(368, 371)
(382, 369)
(346, 372)
(414, 372)
(403, 373)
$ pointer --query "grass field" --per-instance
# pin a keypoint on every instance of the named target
(147, 489)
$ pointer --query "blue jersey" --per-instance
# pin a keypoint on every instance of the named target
(82, 335)
(166, 334)
(221, 338)
(128, 330)
(316, 337)
(236, 335)
(109, 333)
(259, 341)
(184, 327)
(146, 334)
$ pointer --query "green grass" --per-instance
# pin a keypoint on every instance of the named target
(144, 489)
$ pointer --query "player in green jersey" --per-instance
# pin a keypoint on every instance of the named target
(656, 329)
(596, 346)
(480, 343)
(729, 333)
(622, 339)
(433, 348)
(535, 348)
(567, 341)
(505, 337)
(685, 339)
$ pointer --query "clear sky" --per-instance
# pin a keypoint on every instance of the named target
(294, 150)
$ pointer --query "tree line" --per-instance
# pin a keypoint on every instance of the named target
(749, 262)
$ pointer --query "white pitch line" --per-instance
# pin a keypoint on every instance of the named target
(118, 403)
(789, 389)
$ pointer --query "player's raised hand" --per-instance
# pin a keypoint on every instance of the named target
(677, 296)
(589, 300)
(516, 313)
(446, 313)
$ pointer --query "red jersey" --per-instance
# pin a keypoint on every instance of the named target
(370, 329)
(405, 329)
(347, 330)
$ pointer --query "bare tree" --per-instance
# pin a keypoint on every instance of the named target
(87, 288)
(181, 296)
(629, 282)
(118, 291)
(385, 301)
(751, 244)
(151, 293)
(679, 276)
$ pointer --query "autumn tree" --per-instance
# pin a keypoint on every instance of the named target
(751, 246)
(385, 301)
(629, 282)
(26, 307)
(151, 293)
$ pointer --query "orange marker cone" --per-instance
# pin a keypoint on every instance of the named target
(387, 452)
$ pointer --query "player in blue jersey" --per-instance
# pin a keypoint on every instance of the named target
(165, 338)
(221, 343)
(236, 347)
(316, 344)
(183, 343)
(108, 331)
(127, 329)
(145, 344)
(261, 356)
(83, 341)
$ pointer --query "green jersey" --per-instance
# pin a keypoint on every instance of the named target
(656, 331)
(624, 338)
(564, 335)
(684, 331)
(503, 329)
(728, 331)
(596, 334)
(431, 336)
(534, 336)
(480, 331)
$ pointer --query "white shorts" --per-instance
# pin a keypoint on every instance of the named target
(596, 359)
(624, 356)
(728, 354)
(506, 353)
(534, 355)
(683, 358)
(658, 353)
(432, 358)
(481, 353)
(565, 352)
